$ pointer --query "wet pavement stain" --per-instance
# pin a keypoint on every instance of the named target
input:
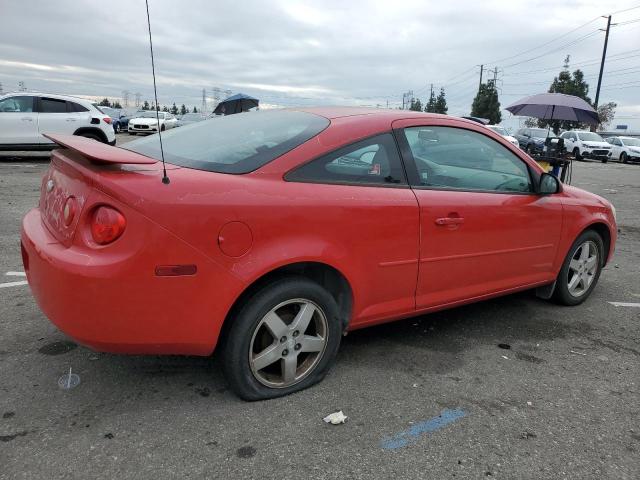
(8, 414)
(8, 438)
(528, 358)
(246, 452)
(57, 348)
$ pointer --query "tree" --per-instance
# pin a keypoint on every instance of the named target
(145, 105)
(531, 122)
(431, 104)
(117, 105)
(486, 104)
(183, 109)
(570, 84)
(165, 109)
(606, 112)
(105, 103)
(441, 103)
(195, 110)
(416, 105)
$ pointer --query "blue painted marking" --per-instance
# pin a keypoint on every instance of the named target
(403, 439)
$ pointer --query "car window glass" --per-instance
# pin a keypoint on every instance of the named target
(52, 105)
(456, 158)
(76, 107)
(371, 161)
(16, 105)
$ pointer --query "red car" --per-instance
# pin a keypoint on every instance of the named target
(281, 230)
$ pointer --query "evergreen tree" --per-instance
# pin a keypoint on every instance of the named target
(195, 110)
(183, 109)
(486, 104)
(174, 109)
(431, 104)
(145, 105)
(105, 103)
(441, 103)
(416, 105)
(165, 109)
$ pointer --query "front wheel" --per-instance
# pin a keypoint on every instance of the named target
(623, 157)
(576, 154)
(116, 128)
(581, 269)
(283, 339)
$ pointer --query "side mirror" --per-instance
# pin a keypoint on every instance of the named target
(549, 184)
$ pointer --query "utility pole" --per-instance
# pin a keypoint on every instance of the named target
(22, 87)
(216, 96)
(203, 108)
(481, 70)
(125, 97)
(604, 54)
(138, 96)
(0, 88)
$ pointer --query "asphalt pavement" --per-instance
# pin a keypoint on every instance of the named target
(512, 388)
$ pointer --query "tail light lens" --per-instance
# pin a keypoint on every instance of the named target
(107, 120)
(107, 224)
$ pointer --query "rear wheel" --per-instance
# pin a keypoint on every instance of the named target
(623, 157)
(284, 339)
(576, 154)
(162, 128)
(581, 269)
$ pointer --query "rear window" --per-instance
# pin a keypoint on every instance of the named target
(237, 143)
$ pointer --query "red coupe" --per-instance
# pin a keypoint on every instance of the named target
(281, 230)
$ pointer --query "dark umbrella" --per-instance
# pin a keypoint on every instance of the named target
(555, 106)
(235, 104)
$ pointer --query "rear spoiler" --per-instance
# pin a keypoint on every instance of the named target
(98, 152)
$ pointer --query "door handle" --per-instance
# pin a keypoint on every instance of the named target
(71, 119)
(449, 221)
(27, 119)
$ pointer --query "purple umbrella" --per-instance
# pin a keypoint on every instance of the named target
(555, 106)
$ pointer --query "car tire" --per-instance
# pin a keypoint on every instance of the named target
(530, 149)
(116, 127)
(93, 136)
(576, 154)
(579, 276)
(162, 128)
(623, 157)
(279, 305)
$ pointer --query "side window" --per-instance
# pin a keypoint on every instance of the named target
(374, 161)
(76, 107)
(456, 158)
(16, 105)
(572, 136)
(52, 105)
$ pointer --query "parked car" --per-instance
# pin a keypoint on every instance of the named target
(119, 118)
(281, 230)
(585, 144)
(505, 134)
(532, 140)
(625, 149)
(25, 116)
(189, 118)
(147, 122)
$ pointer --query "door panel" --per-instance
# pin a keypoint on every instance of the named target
(54, 117)
(483, 230)
(18, 121)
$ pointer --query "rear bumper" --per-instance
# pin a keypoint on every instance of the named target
(114, 302)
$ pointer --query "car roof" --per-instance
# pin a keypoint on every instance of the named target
(50, 95)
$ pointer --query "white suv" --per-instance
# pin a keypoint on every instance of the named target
(25, 116)
(585, 144)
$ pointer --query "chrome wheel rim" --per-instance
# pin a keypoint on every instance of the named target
(288, 343)
(582, 268)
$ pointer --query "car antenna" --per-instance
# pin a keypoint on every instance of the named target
(165, 179)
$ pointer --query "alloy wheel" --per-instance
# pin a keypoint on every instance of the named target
(583, 268)
(288, 343)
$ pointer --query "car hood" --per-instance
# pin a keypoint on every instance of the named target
(596, 144)
(145, 121)
(583, 195)
(634, 149)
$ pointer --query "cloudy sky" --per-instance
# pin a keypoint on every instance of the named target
(309, 53)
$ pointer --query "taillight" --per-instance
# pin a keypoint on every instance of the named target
(107, 119)
(69, 211)
(107, 224)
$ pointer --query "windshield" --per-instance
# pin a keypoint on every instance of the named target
(149, 114)
(499, 130)
(541, 133)
(631, 142)
(590, 137)
(237, 143)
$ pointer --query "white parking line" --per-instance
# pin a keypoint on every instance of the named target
(625, 304)
(16, 274)
(13, 284)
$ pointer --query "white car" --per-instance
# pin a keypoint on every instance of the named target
(25, 116)
(625, 149)
(146, 122)
(503, 132)
(585, 144)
